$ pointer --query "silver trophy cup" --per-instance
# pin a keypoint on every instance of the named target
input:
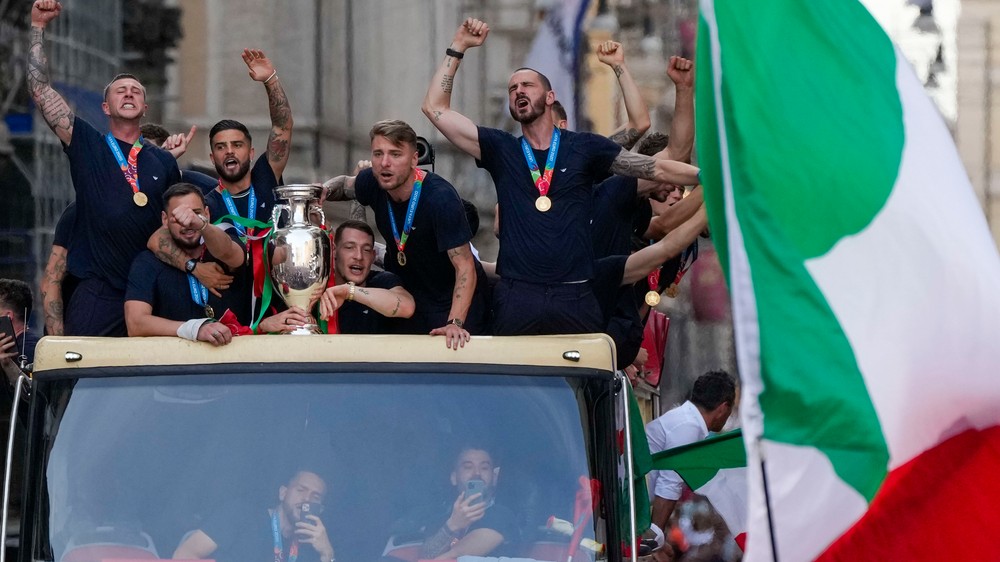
(299, 250)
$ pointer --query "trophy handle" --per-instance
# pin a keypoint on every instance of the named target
(318, 209)
(276, 214)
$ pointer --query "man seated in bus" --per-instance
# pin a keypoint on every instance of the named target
(291, 530)
(471, 524)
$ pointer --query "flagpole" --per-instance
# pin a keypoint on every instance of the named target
(767, 502)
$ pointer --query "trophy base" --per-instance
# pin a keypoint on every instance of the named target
(307, 330)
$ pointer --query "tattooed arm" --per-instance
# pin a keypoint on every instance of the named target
(656, 169)
(396, 302)
(51, 289)
(51, 104)
(280, 138)
(457, 128)
(168, 252)
(340, 188)
(612, 54)
(461, 297)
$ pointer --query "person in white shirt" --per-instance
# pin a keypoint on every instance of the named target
(706, 411)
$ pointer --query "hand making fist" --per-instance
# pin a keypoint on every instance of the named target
(611, 53)
(472, 33)
(681, 71)
(44, 11)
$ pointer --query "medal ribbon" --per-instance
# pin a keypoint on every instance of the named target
(130, 167)
(653, 280)
(227, 198)
(411, 211)
(293, 551)
(687, 259)
(199, 294)
(542, 180)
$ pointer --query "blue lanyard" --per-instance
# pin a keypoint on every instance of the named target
(542, 180)
(122, 162)
(199, 294)
(293, 551)
(411, 211)
(227, 198)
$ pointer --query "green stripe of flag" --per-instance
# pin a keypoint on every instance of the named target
(699, 462)
(806, 168)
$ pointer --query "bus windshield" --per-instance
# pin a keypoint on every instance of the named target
(379, 463)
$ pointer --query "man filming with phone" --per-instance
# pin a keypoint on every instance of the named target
(17, 342)
(473, 524)
(292, 530)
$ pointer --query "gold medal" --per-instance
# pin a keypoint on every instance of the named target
(543, 203)
(652, 298)
(672, 290)
(209, 312)
(140, 199)
(401, 259)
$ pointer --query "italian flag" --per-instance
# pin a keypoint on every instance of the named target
(715, 468)
(865, 289)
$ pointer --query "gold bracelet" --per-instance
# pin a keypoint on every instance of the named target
(350, 291)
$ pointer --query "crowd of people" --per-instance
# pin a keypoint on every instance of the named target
(592, 230)
(584, 222)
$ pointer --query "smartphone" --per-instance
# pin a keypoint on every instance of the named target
(473, 487)
(6, 327)
(311, 508)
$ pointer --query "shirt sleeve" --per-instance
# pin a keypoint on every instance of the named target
(65, 226)
(451, 227)
(142, 279)
(602, 152)
(365, 187)
(488, 139)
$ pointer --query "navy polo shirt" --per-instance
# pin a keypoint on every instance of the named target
(262, 182)
(116, 228)
(554, 246)
(167, 290)
(439, 225)
(615, 205)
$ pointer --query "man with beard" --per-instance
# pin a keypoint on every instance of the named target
(472, 524)
(162, 301)
(292, 530)
(242, 191)
(359, 300)
(544, 182)
(119, 181)
(423, 220)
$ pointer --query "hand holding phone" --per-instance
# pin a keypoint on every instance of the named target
(473, 487)
(6, 327)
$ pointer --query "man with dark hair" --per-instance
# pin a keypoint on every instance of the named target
(421, 217)
(708, 409)
(359, 300)
(472, 524)
(154, 133)
(240, 534)
(546, 259)
(118, 178)
(243, 192)
(15, 303)
(162, 301)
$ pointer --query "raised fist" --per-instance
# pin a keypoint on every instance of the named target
(44, 11)
(472, 33)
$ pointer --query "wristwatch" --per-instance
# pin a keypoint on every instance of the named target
(456, 322)
(190, 265)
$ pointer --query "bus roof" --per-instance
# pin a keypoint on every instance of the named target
(593, 351)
